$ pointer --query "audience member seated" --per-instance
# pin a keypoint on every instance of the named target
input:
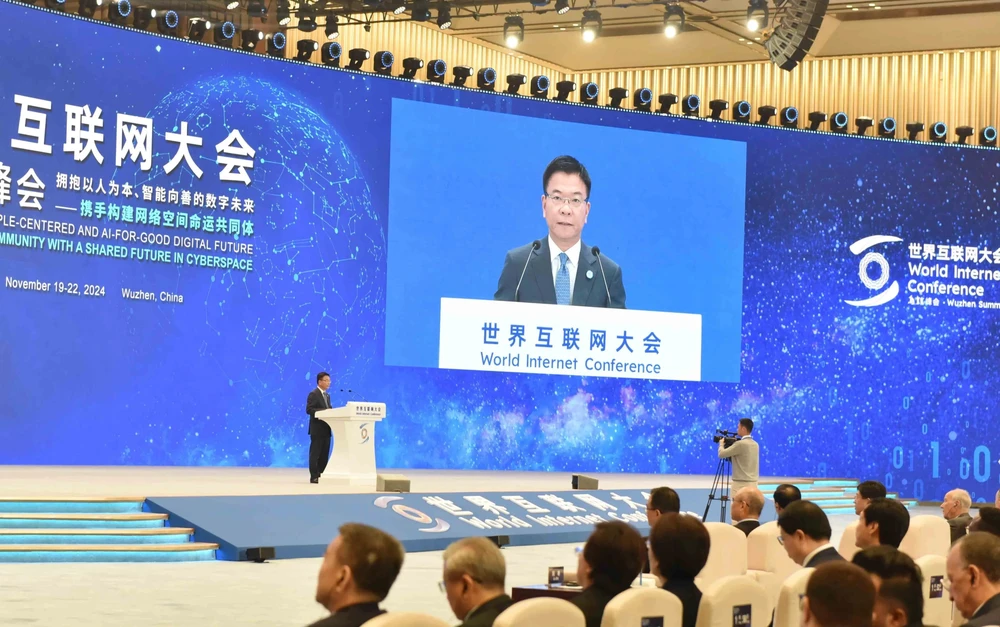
(839, 594)
(359, 567)
(474, 574)
(748, 503)
(867, 490)
(974, 578)
(899, 594)
(884, 521)
(784, 495)
(678, 550)
(955, 508)
(805, 534)
(611, 559)
(661, 501)
(988, 520)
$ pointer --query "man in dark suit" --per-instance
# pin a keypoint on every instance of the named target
(955, 509)
(358, 569)
(319, 431)
(662, 500)
(805, 534)
(561, 268)
(973, 569)
(784, 495)
(748, 503)
(899, 597)
(884, 521)
(610, 560)
(474, 575)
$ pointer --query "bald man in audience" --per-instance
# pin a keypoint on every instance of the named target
(956, 511)
(474, 575)
(747, 506)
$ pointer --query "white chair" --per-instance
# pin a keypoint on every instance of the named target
(937, 607)
(722, 600)
(767, 561)
(847, 548)
(541, 611)
(727, 555)
(405, 619)
(630, 607)
(927, 535)
(788, 612)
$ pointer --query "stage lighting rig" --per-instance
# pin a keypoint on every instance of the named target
(673, 21)
(887, 127)
(839, 122)
(515, 82)
(330, 54)
(382, 62)
(618, 95)
(564, 89)
(142, 17)
(964, 133)
(460, 74)
(765, 113)
(817, 119)
(591, 25)
(486, 79)
(224, 33)
(436, 71)
(742, 112)
(87, 8)
(539, 86)
(513, 31)
(913, 129)
(691, 105)
(589, 93)
(119, 11)
(332, 27)
(276, 44)
(357, 56)
(306, 48)
(939, 132)
(757, 15)
(249, 38)
(642, 99)
(789, 117)
(197, 27)
(716, 108)
(862, 125)
(444, 17)
(988, 136)
(666, 102)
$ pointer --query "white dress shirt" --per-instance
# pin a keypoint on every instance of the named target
(574, 260)
(323, 392)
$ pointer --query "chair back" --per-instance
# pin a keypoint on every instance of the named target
(937, 607)
(734, 601)
(405, 619)
(727, 555)
(847, 548)
(927, 535)
(541, 611)
(629, 608)
(788, 612)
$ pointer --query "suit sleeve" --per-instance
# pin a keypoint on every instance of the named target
(508, 280)
(314, 404)
(617, 290)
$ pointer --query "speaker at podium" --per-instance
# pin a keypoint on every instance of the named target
(353, 426)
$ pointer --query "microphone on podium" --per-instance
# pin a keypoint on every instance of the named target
(535, 245)
(597, 253)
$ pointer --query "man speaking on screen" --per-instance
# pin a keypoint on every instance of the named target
(561, 269)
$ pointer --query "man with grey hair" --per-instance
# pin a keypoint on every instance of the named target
(955, 508)
(748, 503)
(474, 574)
(973, 583)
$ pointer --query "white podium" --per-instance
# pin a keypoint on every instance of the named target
(353, 456)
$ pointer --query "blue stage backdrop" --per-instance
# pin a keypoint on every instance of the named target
(188, 234)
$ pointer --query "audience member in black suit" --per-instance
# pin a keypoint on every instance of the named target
(610, 560)
(661, 501)
(866, 491)
(358, 569)
(973, 569)
(955, 509)
(899, 595)
(319, 431)
(474, 574)
(748, 503)
(805, 534)
(884, 521)
(839, 594)
(678, 550)
(784, 495)
(988, 521)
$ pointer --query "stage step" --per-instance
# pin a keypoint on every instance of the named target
(89, 505)
(184, 552)
(159, 535)
(80, 521)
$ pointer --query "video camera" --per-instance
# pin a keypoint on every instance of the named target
(728, 438)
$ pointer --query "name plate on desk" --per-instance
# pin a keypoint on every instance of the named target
(504, 336)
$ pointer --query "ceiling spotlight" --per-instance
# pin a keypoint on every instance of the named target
(142, 17)
(284, 13)
(332, 27)
(436, 71)
(913, 129)
(765, 113)
(716, 107)
(539, 87)
(397, 7)
(757, 15)
(412, 65)
(307, 18)
(690, 105)
(789, 117)
(250, 37)
(816, 118)
(673, 21)
(862, 125)
(383, 62)
(591, 25)
(564, 89)
(988, 136)
(420, 12)
(667, 101)
(197, 28)
(513, 30)
(964, 133)
(939, 132)
(232, 5)
(486, 79)
(887, 127)
(444, 17)
(167, 22)
(514, 82)
(618, 95)
(742, 112)
(461, 73)
(119, 11)
(256, 9)
(642, 99)
(87, 8)
(357, 57)
(839, 121)
(224, 33)
(330, 53)
(562, 7)
(589, 93)
(306, 48)
(276, 44)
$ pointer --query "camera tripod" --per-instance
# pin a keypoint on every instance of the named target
(723, 477)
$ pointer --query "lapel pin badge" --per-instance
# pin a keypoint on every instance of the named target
(590, 274)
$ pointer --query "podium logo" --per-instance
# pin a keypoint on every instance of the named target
(414, 514)
(882, 278)
(364, 432)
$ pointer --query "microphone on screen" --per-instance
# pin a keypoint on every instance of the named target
(535, 245)
(597, 253)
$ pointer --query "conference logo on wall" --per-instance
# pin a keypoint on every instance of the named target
(881, 278)
(411, 513)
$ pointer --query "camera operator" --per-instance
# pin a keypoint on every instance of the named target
(745, 455)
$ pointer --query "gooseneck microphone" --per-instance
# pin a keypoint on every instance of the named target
(535, 245)
(597, 253)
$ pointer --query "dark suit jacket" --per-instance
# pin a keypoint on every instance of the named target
(485, 614)
(538, 286)
(592, 602)
(314, 403)
(351, 616)
(988, 614)
(746, 526)
(826, 555)
(958, 526)
(690, 596)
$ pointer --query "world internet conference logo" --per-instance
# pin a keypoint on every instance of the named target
(882, 278)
